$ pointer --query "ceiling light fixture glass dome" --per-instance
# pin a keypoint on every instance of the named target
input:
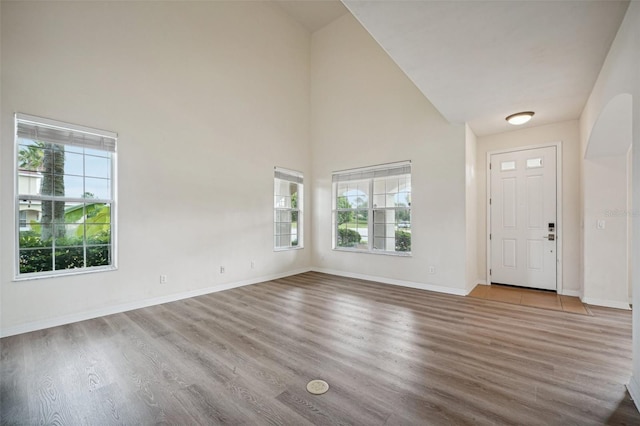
(520, 117)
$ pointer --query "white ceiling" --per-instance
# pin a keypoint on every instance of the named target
(479, 61)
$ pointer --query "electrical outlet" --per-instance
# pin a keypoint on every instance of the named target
(163, 279)
(432, 269)
(222, 269)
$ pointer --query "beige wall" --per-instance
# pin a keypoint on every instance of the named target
(567, 133)
(471, 208)
(365, 111)
(619, 75)
(207, 97)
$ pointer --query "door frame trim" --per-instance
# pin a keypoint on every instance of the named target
(559, 228)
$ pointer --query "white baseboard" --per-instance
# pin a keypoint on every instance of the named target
(129, 306)
(634, 390)
(402, 283)
(481, 281)
(606, 303)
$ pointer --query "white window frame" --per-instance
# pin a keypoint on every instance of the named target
(76, 135)
(296, 177)
(367, 175)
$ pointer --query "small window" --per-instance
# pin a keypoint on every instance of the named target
(65, 200)
(533, 163)
(506, 166)
(372, 209)
(287, 206)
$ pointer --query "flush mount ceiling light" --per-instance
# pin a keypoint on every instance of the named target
(519, 117)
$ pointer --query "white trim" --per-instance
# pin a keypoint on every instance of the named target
(634, 391)
(481, 281)
(63, 273)
(573, 293)
(559, 198)
(392, 281)
(129, 306)
(606, 303)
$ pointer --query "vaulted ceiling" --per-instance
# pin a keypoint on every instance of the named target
(479, 61)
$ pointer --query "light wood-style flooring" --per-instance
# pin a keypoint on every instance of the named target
(530, 297)
(391, 355)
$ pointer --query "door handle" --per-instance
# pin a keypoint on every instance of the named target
(550, 237)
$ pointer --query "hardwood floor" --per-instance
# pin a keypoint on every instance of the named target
(391, 355)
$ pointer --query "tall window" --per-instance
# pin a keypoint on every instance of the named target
(65, 203)
(287, 206)
(372, 209)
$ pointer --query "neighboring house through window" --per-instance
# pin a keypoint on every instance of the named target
(372, 209)
(287, 205)
(65, 202)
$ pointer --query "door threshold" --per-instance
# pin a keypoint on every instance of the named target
(544, 299)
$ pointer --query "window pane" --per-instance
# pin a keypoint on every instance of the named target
(31, 183)
(31, 238)
(73, 212)
(54, 158)
(36, 260)
(97, 188)
(98, 255)
(98, 213)
(347, 237)
(283, 216)
(392, 230)
(69, 235)
(403, 199)
(69, 258)
(98, 234)
(52, 212)
(30, 157)
(67, 185)
(393, 185)
(379, 186)
(404, 184)
(343, 202)
(97, 166)
(73, 164)
(403, 241)
(403, 218)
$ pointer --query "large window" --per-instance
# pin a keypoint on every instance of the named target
(65, 203)
(287, 206)
(372, 209)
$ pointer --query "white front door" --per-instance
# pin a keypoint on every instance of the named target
(523, 218)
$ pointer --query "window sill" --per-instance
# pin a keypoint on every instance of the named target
(384, 253)
(288, 248)
(48, 275)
